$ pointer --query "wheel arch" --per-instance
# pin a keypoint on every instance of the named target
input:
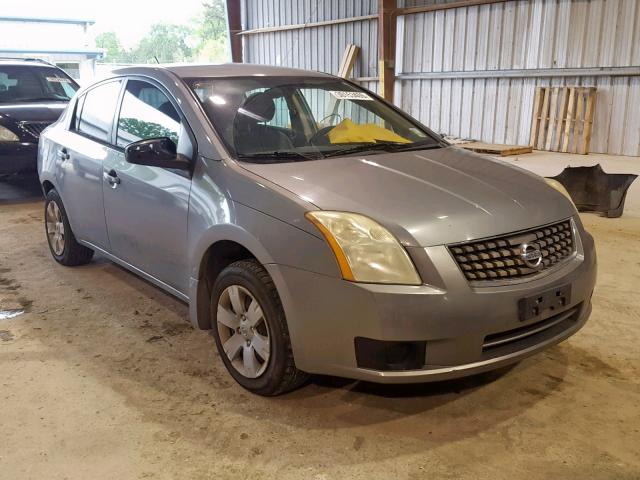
(227, 246)
(47, 186)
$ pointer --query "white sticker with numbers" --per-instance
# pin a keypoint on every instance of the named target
(341, 95)
(58, 80)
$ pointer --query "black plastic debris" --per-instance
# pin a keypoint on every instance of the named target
(594, 190)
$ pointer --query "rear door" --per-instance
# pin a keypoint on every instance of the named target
(146, 208)
(80, 155)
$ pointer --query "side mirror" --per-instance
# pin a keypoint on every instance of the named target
(156, 152)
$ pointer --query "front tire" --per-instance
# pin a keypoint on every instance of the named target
(62, 242)
(250, 330)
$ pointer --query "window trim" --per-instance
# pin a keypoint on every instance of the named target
(170, 97)
(82, 98)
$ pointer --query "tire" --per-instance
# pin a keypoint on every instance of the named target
(63, 245)
(242, 283)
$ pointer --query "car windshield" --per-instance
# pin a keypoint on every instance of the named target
(285, 119)
(34, 83)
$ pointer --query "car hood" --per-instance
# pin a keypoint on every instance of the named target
(425, 198)
(32, 111)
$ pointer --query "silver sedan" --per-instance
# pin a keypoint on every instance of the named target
(313, 227)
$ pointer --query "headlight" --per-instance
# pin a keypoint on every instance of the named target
(560, 188)
(365, 250)
(7, 135)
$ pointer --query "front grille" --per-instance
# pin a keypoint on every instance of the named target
(501, 258)
(34, 128)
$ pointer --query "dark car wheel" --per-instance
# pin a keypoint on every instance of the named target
(62, 243)
(250, 330)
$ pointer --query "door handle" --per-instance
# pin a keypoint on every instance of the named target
(112, 178)
(63, 154)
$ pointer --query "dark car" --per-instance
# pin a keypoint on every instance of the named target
(33, 94)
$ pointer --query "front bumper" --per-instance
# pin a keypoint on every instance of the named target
(456, 320)
(18, 157)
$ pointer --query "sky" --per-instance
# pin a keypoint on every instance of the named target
(130, 19)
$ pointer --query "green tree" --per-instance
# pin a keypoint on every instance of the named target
(212, 33)
(166, 43)
(110, 42)
(213, 23)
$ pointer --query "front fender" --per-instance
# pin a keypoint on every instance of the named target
(270, 241)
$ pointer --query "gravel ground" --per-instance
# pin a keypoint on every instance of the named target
(102, 377)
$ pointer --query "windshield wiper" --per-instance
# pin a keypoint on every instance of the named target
(278, 155)
(383, 145)
(41, 99)
(423, 145)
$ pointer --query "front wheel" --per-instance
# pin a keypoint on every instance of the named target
(62, 242)
(250, 330)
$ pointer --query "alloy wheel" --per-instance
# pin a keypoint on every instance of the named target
(55, 228)
(243, 331)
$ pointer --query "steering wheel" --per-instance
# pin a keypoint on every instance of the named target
(324, 130)
(320, 134)
(331, 115)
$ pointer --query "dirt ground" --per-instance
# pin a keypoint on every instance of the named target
(103, 377)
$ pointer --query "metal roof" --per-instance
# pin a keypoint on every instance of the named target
(46, 51)
(22, 61)
(73, 21)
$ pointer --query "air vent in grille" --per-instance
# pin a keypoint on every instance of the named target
(501, 257)
(34, 128)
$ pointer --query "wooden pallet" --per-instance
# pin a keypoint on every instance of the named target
(562, 119)
(496, 148)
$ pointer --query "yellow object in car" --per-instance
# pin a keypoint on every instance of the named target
(348, 132)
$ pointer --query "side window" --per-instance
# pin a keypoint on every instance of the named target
(97, 111)
(146, 113)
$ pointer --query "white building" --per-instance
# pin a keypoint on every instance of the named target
(65, 42)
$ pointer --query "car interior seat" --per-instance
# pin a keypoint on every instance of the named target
(251, 133)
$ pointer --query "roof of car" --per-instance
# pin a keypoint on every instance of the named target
(36, 62)
(222, 70)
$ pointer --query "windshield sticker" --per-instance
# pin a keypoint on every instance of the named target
(341, 95)
(58, 79)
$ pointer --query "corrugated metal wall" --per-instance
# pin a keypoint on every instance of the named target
(317, 48)
(525, 34)
(522, 34)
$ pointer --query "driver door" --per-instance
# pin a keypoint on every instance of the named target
(146, 208)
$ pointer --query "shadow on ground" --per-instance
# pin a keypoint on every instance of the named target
(19, 188)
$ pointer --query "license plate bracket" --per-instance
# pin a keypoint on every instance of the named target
(553, 299)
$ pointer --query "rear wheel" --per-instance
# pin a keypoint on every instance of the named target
(250, 330)
(62, 242)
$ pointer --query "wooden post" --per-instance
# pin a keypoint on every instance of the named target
(579, 119)
(569, 121)
(386, 47)
(544, 117)
(552, 117)
(348, 60)
(561, 118)
(588, 121)
(535, 118)
(234, 25)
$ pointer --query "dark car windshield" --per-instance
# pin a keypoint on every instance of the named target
(30, 83)
(284, 119)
